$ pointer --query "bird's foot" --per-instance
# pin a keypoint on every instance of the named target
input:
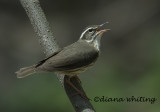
(83, 95)
(78, 79)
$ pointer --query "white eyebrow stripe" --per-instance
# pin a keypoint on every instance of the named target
(84, 32)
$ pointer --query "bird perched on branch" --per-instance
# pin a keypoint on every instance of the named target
(72, 59)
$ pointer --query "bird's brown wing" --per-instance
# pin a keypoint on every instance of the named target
(44, 60)
(71, 57)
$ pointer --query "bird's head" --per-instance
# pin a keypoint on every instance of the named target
(93, 34)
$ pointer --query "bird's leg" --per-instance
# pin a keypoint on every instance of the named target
(78, 91)
(78, 79)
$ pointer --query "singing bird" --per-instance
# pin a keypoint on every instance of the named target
(72, 59)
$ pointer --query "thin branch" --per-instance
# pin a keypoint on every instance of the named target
(49, 46)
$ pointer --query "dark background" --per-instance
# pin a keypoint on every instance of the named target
(129, 64)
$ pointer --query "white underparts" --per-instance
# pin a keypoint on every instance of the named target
(96, 43)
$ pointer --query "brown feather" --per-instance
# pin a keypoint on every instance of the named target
(72, 58)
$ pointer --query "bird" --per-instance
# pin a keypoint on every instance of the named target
(72, 59)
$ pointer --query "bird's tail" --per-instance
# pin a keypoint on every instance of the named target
(26, 71)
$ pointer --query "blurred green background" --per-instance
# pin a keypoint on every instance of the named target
(129, 64)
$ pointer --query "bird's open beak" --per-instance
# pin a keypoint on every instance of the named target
(103, 24)
(102, 31)
(98, 31)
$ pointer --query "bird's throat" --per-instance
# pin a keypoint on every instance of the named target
(95, 43)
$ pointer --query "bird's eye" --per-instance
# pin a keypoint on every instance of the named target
(90, 30)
